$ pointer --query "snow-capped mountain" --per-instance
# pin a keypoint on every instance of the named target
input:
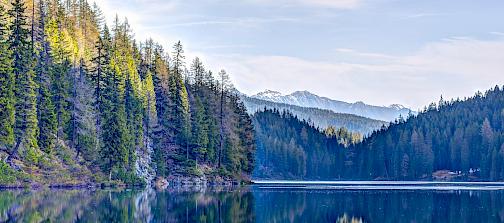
(321, 118)
(308, 99)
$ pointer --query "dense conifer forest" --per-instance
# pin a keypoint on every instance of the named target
(288, 148)
(463, 136)
(450, 140)
(84, 102)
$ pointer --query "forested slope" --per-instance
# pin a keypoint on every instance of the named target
(289, 148)
(81, 102)
(459, 139)
(463, 136)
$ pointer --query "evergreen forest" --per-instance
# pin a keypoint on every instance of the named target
(449, 140)
(83, 102)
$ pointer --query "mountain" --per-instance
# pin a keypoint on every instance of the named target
(308, 99)
(455, 140)
(320, 117)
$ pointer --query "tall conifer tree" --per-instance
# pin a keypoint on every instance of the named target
(25, 88)
(7, 83)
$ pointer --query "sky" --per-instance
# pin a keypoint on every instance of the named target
(380, 52)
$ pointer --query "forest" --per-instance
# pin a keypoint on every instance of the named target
(451, 140)
(463, 136)
(82, 102)
(290, 148)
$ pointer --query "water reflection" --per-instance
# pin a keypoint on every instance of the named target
(250, 204)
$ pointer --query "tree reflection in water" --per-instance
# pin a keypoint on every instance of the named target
(249, 204)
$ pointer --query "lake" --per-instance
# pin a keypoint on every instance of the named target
(264, 202)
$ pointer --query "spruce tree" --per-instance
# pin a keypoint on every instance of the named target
(45, 106)
(7, 83)
(101, 64)
(60, 69)
(114, 152)
(150, 117)
(224, 86)
(180, 100)
(200, 131)
(25, 88)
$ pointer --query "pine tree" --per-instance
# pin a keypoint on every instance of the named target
(200, 131)
(45, 106)
(7, 81)
(114, 151)
(98, 76)
(25, 88)
(180, 100)
(60, 69)
(83, 116)
(151, 119)
(224, 86)
(198, 72)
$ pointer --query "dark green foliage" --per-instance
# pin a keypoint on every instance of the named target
(460, 136)
(47, 122)
(199, 137)
(25, 129)
(288, 148)
(7, 174)
(188, 105)
(114, 150)
(7, 81)
(461, 139)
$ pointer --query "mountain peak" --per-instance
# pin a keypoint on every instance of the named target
(397, 107)
(310, 100)
(268, 94)
(302, 93)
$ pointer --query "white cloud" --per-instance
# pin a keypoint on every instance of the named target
(425, 14)
(365, 54)
(455, 68)
(341, 4)
(497, 33)
(335, 4)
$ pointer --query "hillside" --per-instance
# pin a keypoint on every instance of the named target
(288, 148)
(82, 103)
(319, 117)
(310, 100)
(454, 140)
(464, 137)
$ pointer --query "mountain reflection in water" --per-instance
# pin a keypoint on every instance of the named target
(250, 204)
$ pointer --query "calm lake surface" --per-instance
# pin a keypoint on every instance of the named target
(265, 202)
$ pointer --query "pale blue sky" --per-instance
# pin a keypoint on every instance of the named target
(377, 51)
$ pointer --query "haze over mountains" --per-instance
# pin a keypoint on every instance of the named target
(321, 118)
(308, 99)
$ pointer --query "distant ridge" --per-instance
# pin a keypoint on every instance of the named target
(321, 118)
(310, 100)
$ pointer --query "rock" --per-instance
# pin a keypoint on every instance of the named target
(162, 183)
(143, 164)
